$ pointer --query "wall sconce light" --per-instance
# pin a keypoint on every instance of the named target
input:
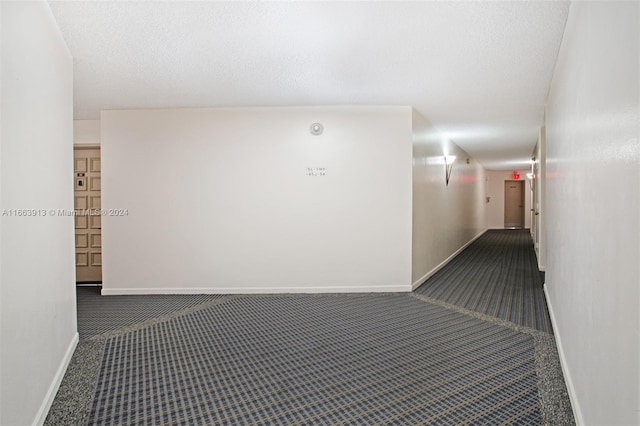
(316, 129)
(448, 166)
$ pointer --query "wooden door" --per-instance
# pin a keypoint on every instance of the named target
(88, 214)
(514, 204)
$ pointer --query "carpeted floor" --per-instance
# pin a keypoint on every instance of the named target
(323, 359)
(98, 315)
(496, 275)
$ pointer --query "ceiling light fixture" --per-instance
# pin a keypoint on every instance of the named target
(316, 129)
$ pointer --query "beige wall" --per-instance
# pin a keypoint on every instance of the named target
(37, 292)
(218, 200)
(445, 218)
(86, 132)
(593, 205)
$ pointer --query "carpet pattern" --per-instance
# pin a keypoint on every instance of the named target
(471, 346)
(349, 359)
(496, 275)
(102, 314)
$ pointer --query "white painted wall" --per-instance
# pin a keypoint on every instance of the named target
(86, 132)
(218, 200)
(445, 218)
(37, 297)
(593, 209)
(495, 190)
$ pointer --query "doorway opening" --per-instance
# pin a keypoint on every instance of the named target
(88, 214)
(514, 204)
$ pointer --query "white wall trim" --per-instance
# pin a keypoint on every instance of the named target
(55, 385)
(417, 283)
(256, 290)
(577, 413)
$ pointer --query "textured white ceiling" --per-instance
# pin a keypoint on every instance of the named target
(479, 71)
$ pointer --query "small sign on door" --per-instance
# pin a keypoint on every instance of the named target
(81, 184)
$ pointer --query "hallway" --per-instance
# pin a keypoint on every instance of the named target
(496, 275)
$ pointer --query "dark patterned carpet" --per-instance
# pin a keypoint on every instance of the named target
(372, 359)
(496, 275)
(470, 347)
(101, 314)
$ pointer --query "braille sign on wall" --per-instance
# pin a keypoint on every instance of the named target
(316, 171)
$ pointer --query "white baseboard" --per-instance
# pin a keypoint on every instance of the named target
(255, 290)
(55, 385)
(417, 283)
(541, 266)
(577, 413)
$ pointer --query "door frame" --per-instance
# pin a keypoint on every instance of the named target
(522, 200)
